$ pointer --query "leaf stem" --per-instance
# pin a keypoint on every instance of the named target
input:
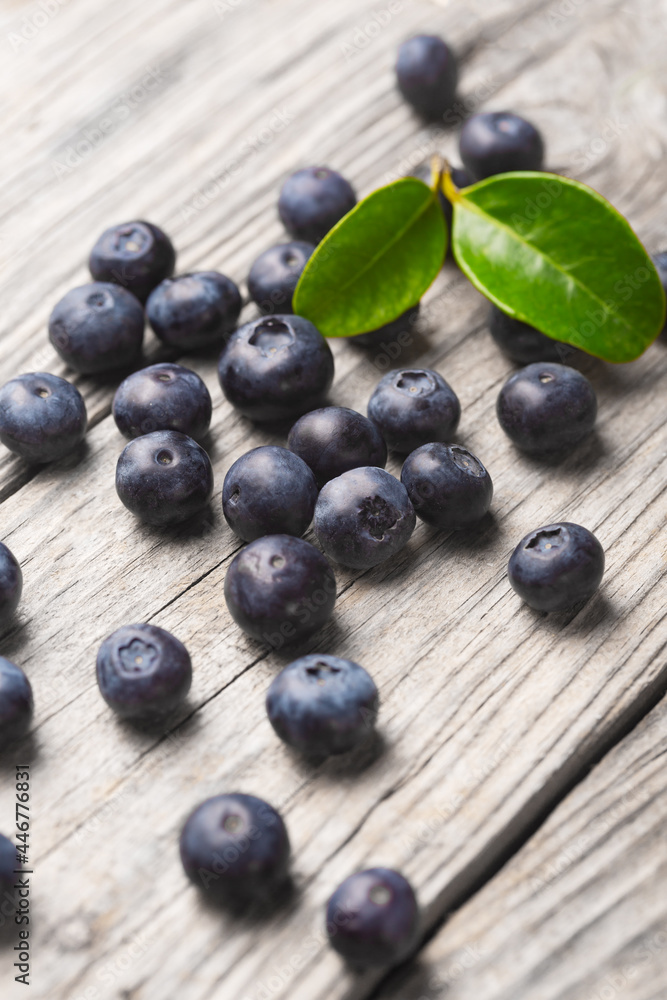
(438, 165)
(449, 188)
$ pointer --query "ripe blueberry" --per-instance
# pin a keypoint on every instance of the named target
(269, 491)
(363, 517)
(448, 487)
(42, 416)
(276, 367)
(279, 589)
(164, 477)
(523, 343)
(322, 704)
(399, 330)
(15, 703)
(496, 142)
(235, 846)
(427, 74)
(162, 397)
(143, 672)
(373, 918)
(413, 406)
(11, 584)
(547, 407)
(194, 310)
(312, 201)
(8, 865)
(335, 439)
(98, 327)
(556, 567)
(136, 255)
(275, 274)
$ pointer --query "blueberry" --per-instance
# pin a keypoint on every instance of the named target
(427, 75)
(312, 201)
(523, 343)
(448, 487)
(276, 367)
(162, 397)
(275, 274)
(373, 918)
(399, 330)
(164, 477)
(8, 865)
(363, 517)
(143, 672)
(136, 255)
(97, 327)
(11, 584)
(268, 491)
(236, 846)
(547, 408)
(496, 142)
(42, 416)
(335, 439)
(556, 567)
(322, 705)
(660, 262)
(413, 406)
(15, 703)
(279, 589)
(194, 310)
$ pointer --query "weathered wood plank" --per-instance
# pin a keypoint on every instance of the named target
(581, 910)
(488, 712)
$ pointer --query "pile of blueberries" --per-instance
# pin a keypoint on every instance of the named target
(280, 588)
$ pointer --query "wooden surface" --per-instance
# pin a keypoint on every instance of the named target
(490, 713)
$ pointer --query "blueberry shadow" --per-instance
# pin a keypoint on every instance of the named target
(185, 717)
(469, 538)
(22, 751)
(198, 525)
(251, 910)
(596, 611)
(340, 766)
(587, 453)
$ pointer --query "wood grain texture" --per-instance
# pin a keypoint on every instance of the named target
(489, 712)
(580, 911)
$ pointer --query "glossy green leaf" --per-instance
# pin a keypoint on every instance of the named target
(552, 252)
(376, 263)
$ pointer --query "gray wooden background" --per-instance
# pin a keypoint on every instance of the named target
(519, 778)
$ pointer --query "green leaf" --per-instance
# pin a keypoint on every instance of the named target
(552, 252)
(376, 263)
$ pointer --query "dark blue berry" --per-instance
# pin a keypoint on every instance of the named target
(162, 397)
(279, 589)
(236, 847)
(15, 703)
(312, 201)
(335, 439)
(143, 671)
(11, 583)
(194, 310)
(660, 262)
(42, 416)
(547, 407)
(164, 477)
(496, 142)
(363, 517)
(322, 705)
(275, 274)
(269, 491)
(276, 367)
(413, 406)
(8, 865)
(373, 918)
(556, 567)
(136, 255)
(391, 337)
(523, 343)
(448, 487)
(427, 74)
(98, 327)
